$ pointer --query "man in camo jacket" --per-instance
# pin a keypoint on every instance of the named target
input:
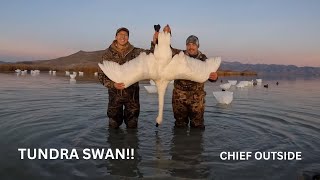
(121, 51)
(188, 97)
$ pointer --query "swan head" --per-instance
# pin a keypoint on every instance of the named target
(159, 119)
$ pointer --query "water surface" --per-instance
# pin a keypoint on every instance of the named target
(50, 112)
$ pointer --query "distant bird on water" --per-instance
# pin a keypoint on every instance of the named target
(255, 83)
(266, 85)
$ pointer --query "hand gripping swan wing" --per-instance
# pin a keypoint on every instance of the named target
(129, 72)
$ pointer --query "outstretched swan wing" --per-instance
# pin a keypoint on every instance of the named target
(185, 67)
(130, 72)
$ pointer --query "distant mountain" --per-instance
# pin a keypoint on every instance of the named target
(91, 59)
(270, 68)
(79, 58)
(2, 62)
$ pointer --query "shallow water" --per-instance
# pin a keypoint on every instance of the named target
(50, 112)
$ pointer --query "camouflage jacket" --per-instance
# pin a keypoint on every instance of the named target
(114, 54)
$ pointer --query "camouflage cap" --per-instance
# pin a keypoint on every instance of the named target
(122, 29)
(193, 39)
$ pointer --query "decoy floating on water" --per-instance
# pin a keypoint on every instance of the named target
(151, 89)
(225, 97)
(225, 86)
(232, 82)
(259, 80)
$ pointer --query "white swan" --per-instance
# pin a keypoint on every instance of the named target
(223, 97)
(67, 73)
(162, 68)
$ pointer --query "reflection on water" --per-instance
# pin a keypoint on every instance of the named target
(124, 139)
(47, 111)
(187, 149)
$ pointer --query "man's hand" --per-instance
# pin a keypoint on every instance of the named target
(213, 76)
(119, 86)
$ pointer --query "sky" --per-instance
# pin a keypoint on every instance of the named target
(248, 31)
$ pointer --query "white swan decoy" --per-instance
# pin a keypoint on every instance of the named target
(151, 89)
(223, 97)
(225, 86)
(152, 83)
(162, 68)
(242, 84)
(232, 82)
(73, 76)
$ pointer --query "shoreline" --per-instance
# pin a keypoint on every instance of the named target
(91, 69)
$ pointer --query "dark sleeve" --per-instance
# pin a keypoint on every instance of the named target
(175, 51)
(140, 50)
(104, 80)
(152, 46)
(203, 57)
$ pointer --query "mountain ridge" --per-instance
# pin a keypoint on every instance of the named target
(91, 59)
